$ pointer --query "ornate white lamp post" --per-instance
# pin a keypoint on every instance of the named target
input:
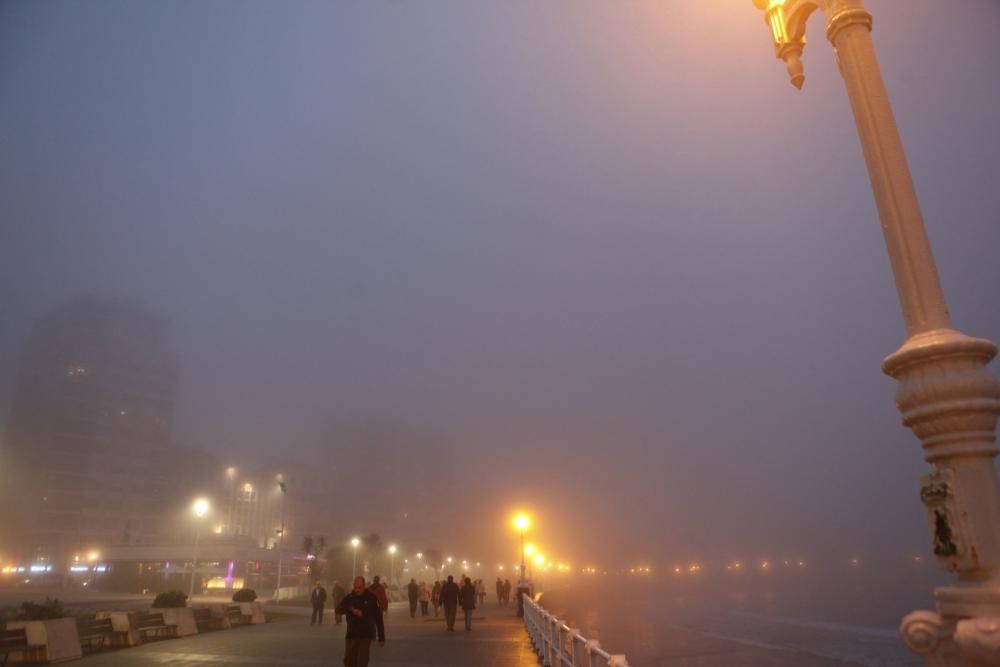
(946, 395)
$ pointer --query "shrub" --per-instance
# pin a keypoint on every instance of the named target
(245, 595)
(34, 611)
(170, 600)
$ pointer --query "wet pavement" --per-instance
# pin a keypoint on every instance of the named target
(498, 639)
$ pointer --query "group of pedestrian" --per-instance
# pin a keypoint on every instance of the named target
(503, 592)
(454, 596)
(365, 607)
(420, 593)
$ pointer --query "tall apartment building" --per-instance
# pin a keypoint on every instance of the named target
(91, 412)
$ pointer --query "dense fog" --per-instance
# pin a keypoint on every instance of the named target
(439, 262)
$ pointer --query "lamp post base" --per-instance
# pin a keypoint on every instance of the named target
(945, 641)
(950, 401)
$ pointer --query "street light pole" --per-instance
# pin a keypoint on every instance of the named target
(392, 563)
(200, 509)
(522, 555)
(281, 539)
(354, 566)
(946, 395)
(194, 560)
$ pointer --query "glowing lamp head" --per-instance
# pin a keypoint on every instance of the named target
(355, 542)
(539, 559)
(522, 522)
(529, 549)
(392, 549)
(200, 507)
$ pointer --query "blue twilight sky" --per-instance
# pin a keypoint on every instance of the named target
(604, 247)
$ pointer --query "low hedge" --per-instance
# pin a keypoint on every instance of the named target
(41, 611)
(170, 600)
(245, 595)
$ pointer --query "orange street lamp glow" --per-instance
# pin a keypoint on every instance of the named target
(522, 522)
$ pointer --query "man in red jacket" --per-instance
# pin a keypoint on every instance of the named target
(378, 588)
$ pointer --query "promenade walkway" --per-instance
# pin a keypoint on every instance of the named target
(498, 639)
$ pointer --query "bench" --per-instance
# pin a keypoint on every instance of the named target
(151, 624)
(205, 621)
(95, 630)
(236, 615)
(12, 641)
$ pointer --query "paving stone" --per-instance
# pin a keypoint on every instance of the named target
(498, 639)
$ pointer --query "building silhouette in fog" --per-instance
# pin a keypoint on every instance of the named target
(91, 411)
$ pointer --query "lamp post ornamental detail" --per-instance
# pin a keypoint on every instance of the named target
(946, 394)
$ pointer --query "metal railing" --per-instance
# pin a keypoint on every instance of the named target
(559, 645)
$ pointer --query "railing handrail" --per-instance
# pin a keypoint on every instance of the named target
(550, 636)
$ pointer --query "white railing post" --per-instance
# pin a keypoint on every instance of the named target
(549, 637)
(576, 647)
(546, 639)
(593, 653)
(529, 622)
(554, 642)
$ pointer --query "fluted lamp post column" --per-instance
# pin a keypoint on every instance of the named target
(946, 395)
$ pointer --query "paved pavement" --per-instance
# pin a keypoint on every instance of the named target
(497, 639)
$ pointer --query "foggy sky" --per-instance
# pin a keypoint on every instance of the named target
(605, 248)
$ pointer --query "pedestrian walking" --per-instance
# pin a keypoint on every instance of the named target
(378, 588)
(318, 597)
(364, 623)
(506, 591)
(499, 587)
(338, 595)
(413, 594)
(481, 591)
(449, 598)
(436, 597)
(468, 601)
(425, 598)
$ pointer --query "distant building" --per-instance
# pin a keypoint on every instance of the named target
(254, 506)
(91, 412)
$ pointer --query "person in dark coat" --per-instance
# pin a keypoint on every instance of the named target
(338, 595)
(506, 591)
(364, 623)
(449, 598)
(413, 594)
(468, 601)
(318, 598)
